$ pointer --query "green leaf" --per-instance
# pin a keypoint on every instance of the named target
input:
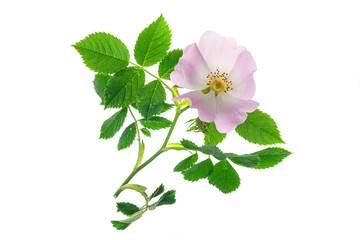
(100, 83)
(166, 107)
(167, 198)
(124, 87)
(212, 150)
(119, 225)
(169, 62)
(259, 128)
(186, 163)
(127, 208)
(102, 52)
(127, 137)
(157, 192)
(198, 171)
(189, 144)
(111, 126)
(153, 43)
(151, 99)
(245, 160)
(156, 123)
(212, 136)
(224, 177)
(146, 132)
(269, 157)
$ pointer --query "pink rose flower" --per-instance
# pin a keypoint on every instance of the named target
(220, 73)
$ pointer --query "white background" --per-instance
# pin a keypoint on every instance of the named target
(57, 178)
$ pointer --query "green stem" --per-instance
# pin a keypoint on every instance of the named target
(160, 151)
(159, 79)
(141, 150)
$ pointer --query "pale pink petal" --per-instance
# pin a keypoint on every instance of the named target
(231, 111)
(191, 71)
(242, 76)
(219, 52)
(204, 103)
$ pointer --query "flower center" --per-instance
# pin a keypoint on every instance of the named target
(218, 82)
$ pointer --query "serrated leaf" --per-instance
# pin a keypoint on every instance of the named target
(259, 128)
(169, 62)
(102, 52)
(269, 157)
(100, 82)
(189, 144)
(212, 150)
(156, 123)
(167, 198)
(146, 132)
(127, 137)
(200, 170)
(224, 177)
(245, 160)
(151, 99)
(124, 87)
(119, 225)
(112, 125)
(212, 136)
(166, 107)
(127, 208)
(186, 163)
(153, 43)
(157, 192)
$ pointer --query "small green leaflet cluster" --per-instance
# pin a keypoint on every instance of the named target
(259, 128)
(124, 87)
(134, 212)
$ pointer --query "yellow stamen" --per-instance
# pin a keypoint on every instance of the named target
(218, 82)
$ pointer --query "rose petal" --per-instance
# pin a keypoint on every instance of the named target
(204, 103)
(231, 111)
(191, 70)
(219, 52)
(242, 76)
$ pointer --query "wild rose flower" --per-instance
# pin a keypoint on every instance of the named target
(220, 73)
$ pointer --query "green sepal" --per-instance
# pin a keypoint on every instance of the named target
(186, 163)
(103, 52)
(124, 87)
(112, 125)
(169, 62)
(212, 150)
(100, 82)
(156, 123)
(127, 137)
(151, 99)
(127, 208)
(224, 177)
(245, 160)
(198, 171)
(259, 128)
(153, 43)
